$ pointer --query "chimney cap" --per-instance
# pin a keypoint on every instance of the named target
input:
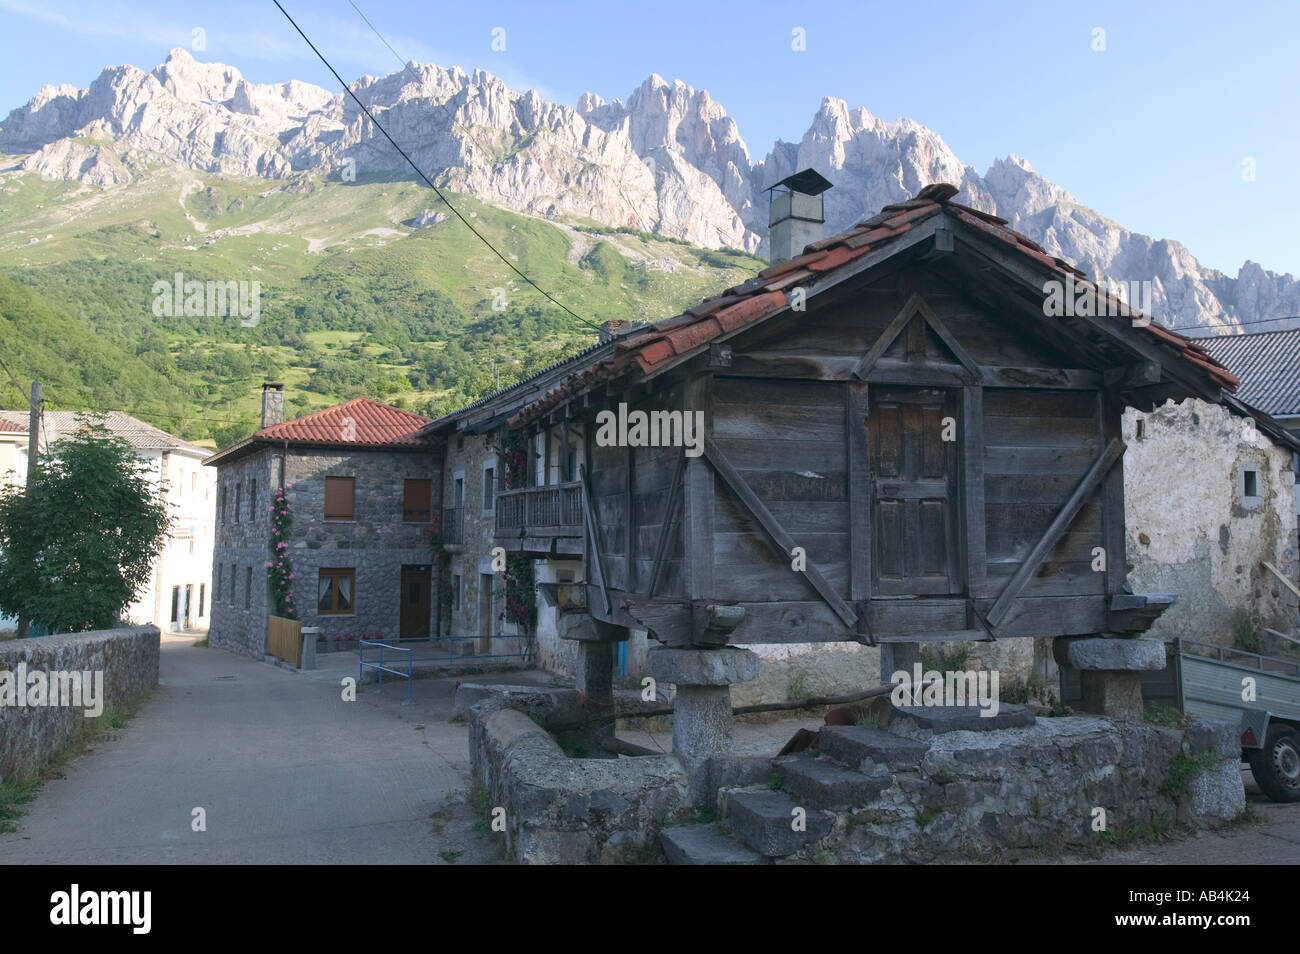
(272, 385)
(806, 182)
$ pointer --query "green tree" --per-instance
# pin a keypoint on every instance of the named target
(76, 548)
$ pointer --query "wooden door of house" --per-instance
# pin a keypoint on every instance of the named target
(914, 491)
(417, 603)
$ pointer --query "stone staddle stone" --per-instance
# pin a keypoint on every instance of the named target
(702, 667)
(1099, 654)
(702, 716)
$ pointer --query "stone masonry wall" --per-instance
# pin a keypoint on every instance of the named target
(239, 610)
(376, 543)
(128, 659)
(1190, 533)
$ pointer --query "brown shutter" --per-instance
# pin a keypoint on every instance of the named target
(338, 498)
(416, 497)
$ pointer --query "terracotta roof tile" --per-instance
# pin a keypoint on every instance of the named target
(359, 421)
(764, 294)
(12, 424)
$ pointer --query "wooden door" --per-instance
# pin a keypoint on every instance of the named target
(416, 603)
(914, 491)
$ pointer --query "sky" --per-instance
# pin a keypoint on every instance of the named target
(1176, 120)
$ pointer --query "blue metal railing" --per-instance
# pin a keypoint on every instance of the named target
(377, 662)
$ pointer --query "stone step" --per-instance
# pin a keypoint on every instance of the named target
(939, 719)
(855, 745)
(705, 845)
(820, 783)
(764, 820)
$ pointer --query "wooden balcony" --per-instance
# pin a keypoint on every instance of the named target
(544, 520)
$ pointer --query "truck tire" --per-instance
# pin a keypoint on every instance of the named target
(1276, 766)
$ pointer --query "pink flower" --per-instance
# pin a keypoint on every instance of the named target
(268, 565)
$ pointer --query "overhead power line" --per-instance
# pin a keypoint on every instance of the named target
(419, 172)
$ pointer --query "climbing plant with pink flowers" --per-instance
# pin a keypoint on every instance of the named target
(279, 570)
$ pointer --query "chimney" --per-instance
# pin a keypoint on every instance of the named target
(272, 403)
(797, 215)
(609, 330)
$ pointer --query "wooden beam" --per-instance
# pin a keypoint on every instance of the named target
(1278, 573)
(670, 513)
(856, 409)
(698, 498)
(972, 425)
(778, 534)
(802, 366)
(1100, 467)
(892, 331)
(1138, 374)
(940, 329)
(593, 535)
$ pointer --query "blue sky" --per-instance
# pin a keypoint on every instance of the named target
(1152, 131)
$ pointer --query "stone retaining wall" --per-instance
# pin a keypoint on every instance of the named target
(31, 735)
(560, 810)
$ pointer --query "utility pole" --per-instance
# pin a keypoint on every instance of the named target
(33, 453)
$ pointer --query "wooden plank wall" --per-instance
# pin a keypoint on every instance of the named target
(787, 440)
(1038, 445)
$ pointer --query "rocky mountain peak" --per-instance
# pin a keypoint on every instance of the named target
(668, 159)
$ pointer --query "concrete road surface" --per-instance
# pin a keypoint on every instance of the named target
(284, 769)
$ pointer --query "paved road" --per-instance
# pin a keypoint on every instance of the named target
(285, 769)
(289, 773)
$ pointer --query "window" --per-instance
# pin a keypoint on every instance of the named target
(455, 592)
(233, 570)
(216, 587)
(248, 587)
(194, 485)
(489, 487)
(334, 591)
(1249, 487)
(252, 500)
(221, 504)
(238, 498)
(180, 484)
(417, 496)
(203, 590)
(458, 492)
(339, 494)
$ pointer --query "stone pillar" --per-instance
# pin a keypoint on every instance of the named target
(594, 671)
(702, 705)
(309, 634)
(1110, 671)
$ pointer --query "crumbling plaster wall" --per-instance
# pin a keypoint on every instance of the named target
(1190, 532)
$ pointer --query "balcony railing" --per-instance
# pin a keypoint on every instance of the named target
(554, 510)
(453, 526)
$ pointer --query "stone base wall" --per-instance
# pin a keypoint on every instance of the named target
(31, 735)
(560, 810)
(1017, 792)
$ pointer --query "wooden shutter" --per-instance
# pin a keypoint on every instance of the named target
(416, 500)
(338, 497)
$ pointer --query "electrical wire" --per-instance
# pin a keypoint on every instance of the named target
(481, 237)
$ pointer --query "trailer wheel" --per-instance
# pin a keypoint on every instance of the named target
(1276, 766)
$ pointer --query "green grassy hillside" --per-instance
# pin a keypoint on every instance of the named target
(354, 300)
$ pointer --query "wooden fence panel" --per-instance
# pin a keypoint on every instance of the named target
(284, 639)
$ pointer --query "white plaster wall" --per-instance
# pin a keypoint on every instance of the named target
(191, 502)
(1188, 531)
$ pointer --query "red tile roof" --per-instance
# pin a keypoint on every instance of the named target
(10, 423)
(658, 344)
(359, 421)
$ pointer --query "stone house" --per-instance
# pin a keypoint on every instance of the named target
(178, 596)
(361, 482)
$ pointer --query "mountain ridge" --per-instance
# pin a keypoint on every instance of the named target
(668, 161)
